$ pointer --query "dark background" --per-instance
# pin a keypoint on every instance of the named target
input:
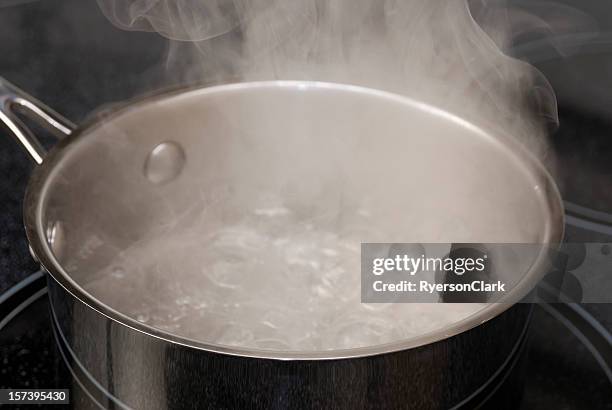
(67, 54)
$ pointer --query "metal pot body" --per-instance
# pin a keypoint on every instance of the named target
(96, 193)
(120, 367)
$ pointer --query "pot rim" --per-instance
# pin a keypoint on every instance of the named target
(38, 187)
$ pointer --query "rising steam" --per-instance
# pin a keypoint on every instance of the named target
(432, 50)
(273, 216)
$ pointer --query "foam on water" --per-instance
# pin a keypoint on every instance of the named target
(271, 279)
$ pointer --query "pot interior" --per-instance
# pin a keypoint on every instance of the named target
(234, 215)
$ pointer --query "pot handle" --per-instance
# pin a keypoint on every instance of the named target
(13, 101)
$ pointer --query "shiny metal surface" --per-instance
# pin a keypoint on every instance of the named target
(123, 368)
(42, 196)
(95, 169)
(12, 101)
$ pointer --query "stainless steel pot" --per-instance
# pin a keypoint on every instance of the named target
(110, 180)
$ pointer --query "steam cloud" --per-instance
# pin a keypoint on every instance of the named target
(431, 50)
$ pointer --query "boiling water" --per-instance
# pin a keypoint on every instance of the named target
(271, 279)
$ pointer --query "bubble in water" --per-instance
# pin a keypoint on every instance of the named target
(143, 318)
(374, 307)
(268, 280)
(225, 274)
(165, 162)
(183, 300)
(365, 331)
(118, 272)
(234, 335)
